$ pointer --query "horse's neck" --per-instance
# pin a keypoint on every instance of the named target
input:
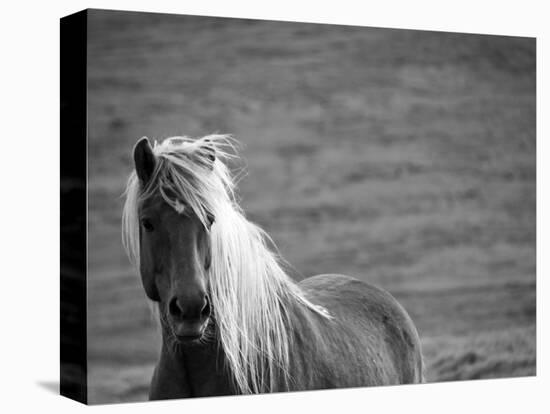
(192, 371)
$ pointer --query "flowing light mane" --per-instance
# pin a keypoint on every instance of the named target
(248, 287)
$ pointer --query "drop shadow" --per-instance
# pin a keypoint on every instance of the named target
(51, 386)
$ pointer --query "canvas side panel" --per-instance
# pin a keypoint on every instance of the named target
(73, 383)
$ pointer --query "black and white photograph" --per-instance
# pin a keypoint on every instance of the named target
(274, 208)
(283, 206)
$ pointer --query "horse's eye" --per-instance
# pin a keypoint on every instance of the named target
(211, 218)
(147, 225)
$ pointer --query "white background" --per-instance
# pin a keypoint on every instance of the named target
(29, 220)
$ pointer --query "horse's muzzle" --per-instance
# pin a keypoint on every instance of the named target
(189, 316)
(188, 330)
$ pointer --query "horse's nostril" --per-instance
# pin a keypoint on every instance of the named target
(174, 307)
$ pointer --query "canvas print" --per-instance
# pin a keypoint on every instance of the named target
(256, 206)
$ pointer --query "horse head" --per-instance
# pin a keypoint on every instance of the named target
(174, 244)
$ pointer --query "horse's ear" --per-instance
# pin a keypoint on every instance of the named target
(144, 160)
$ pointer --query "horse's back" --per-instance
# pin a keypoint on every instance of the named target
(369, 328)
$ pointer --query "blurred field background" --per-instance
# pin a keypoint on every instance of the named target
(405, 158)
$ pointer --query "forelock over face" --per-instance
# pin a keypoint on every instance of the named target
(181, 186)
(189, 174)
(185, 177)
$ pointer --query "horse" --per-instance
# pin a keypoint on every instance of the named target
(232, 320)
